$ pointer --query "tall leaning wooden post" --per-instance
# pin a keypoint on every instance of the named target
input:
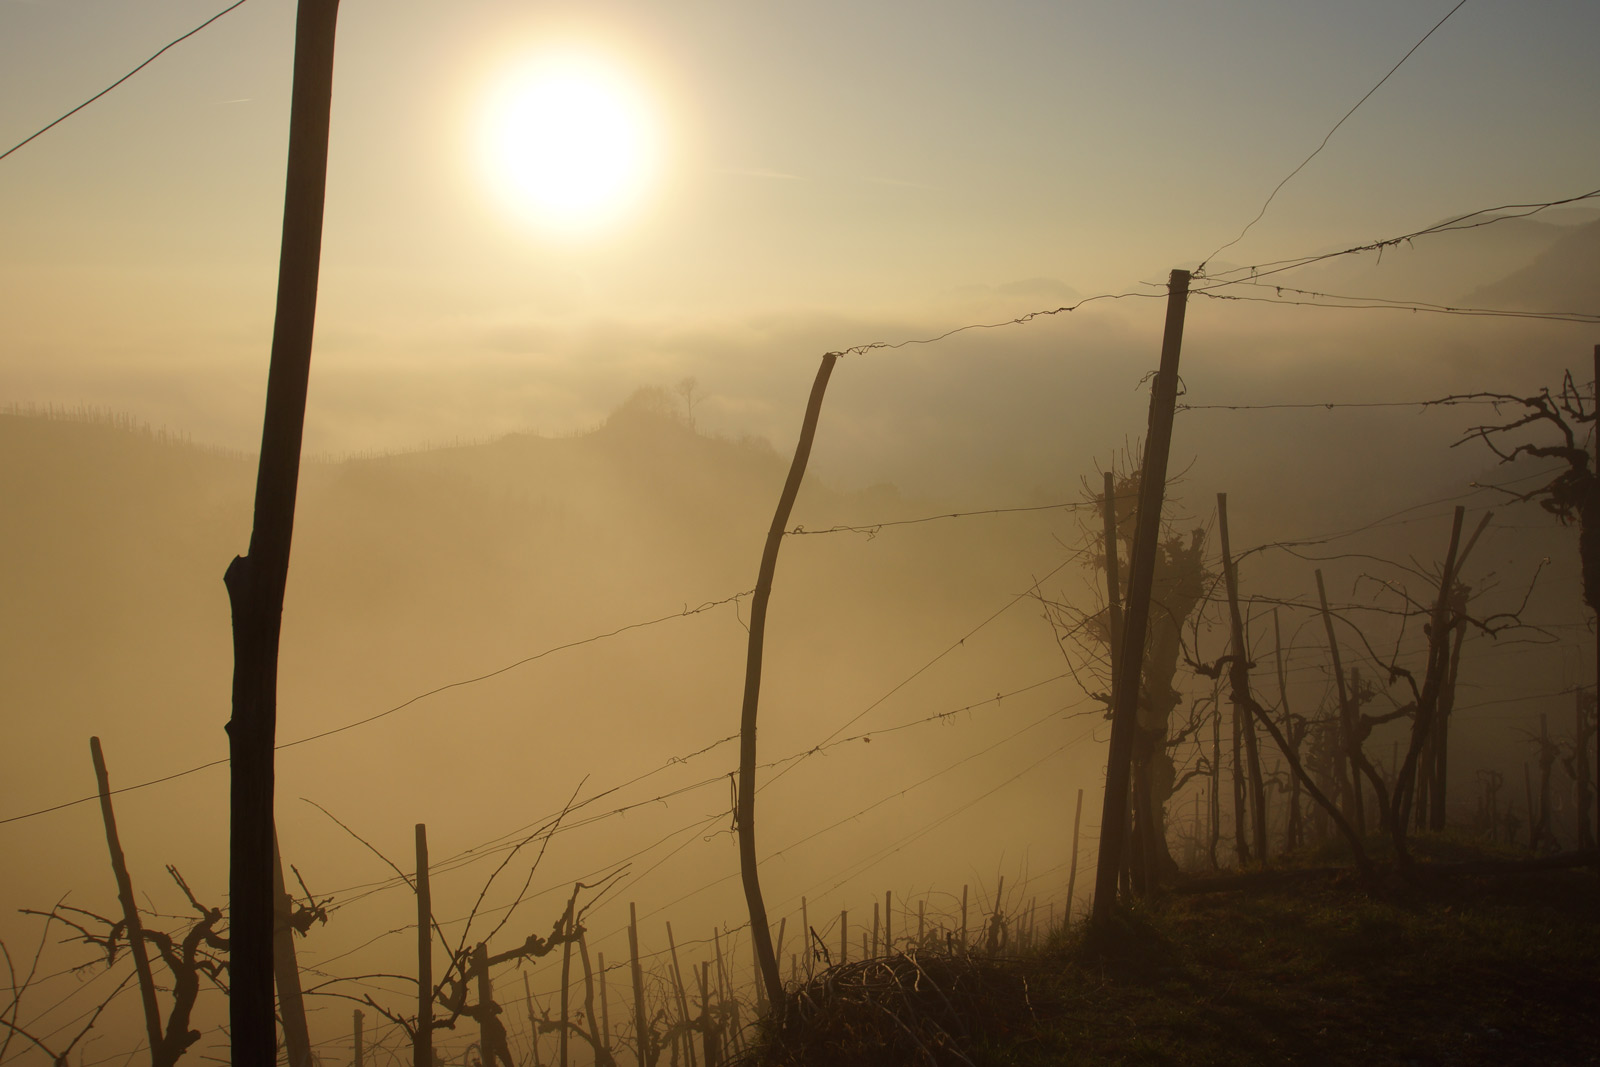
(256, 580)
(745, 809)
(1136, 611)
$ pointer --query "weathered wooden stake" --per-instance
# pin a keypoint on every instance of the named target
(745, 808)
(1072, 867)
(533, 1023)
(1239, 680)
(605, 1006)
(964, 941)
(256, 580)
(1130, 658)
(844, 936)
(805, 936)
(422, 1040)
(359, 1051)
(286, 969)
(601, 1047)
(1216, 772)
(1291, 833)
(130, 909)
(641, 1021)
(487, 1046)
(876, 920)
(1343, 763)
(683, 996)
(568, 920)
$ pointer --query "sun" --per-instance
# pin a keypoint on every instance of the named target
(569, 142)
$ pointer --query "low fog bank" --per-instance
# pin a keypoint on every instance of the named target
(966, 728)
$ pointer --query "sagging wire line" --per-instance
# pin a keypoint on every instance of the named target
(862, 866)
(1390, 518)
(1328, 137)
(1378, 303)
(702, 825)
(685, 613)
(157, 55)
(1055, 713)
(872, 529)
(958, 643)
(856, 350)
(1330, 405)
(499, 844)
(1471, 220)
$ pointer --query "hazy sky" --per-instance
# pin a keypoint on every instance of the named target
(854, 168)
(830, 174)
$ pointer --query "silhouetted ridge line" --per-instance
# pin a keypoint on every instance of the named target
(177, 40)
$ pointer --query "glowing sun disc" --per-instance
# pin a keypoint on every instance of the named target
(569, 143)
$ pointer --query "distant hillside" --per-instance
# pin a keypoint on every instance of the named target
(1564, 277)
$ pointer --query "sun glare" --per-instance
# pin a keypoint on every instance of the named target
(569, 143)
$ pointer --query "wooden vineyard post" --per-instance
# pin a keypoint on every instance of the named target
(130, 909)
(844, 936)
(876, 930)
(1216, 772)
(806, 935)
(1136, 611)
(422, 1040)
(567, 922)
(1343, 763)
(1457, 625)
(683, 998)
(601, 1046)
(1239, 679)
(1427, 701)
(1240, 791)
(745, 808)
(641, 1021)
(286, 969)
(725, 991)
(605, 1007)
(480, 967)
(1291, 833)
(533, 1023)
(783, 926)
(256, 580)
(991, 941)
(357, 1055)
(922, 922)
(709, 1045)
(888, 937)
(964, 941)
(1072, 866)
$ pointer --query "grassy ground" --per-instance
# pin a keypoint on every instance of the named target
(1467, 970)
